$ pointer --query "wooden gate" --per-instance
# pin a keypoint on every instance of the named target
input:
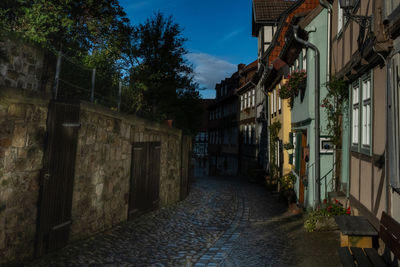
(186, 166)
(145, 178)
(57, 177)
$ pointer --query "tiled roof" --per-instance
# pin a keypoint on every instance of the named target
(270, 10)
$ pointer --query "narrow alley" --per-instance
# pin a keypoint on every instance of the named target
(223, 222)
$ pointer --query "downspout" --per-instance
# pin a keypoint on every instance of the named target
(387, 130)
(317, 112)
(328, 7)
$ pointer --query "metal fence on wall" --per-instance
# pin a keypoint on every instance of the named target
(77, 82)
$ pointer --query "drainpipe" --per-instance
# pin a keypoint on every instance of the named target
(325, 5)
(328, 7)
(317, 112)
(387, 132)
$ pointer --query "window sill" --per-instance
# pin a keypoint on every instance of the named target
(397, 190)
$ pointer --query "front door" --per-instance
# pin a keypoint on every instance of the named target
(145, 178)
(303, 164)
(57, 177)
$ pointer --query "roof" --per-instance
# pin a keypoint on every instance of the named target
(268, 12)
(247, 73)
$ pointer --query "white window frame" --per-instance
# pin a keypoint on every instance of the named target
(279, 100)
(245, 135)
(366, 112)
(304, 65)
(253, 97)
(340, 22)
(361, 116)
(241, 102)
(272, 104)
(250, 134)
(355, 107)
(275, 107)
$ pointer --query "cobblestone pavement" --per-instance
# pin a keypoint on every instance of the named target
(223, 222)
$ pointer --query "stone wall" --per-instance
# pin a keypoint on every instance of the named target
(22, 130)
(102, 172)
(25, 66)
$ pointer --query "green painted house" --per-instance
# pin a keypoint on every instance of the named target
(312, 28)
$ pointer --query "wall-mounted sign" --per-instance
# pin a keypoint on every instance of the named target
(326, 145)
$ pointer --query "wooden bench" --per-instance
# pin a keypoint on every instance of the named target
(389, 232)
(355, 231)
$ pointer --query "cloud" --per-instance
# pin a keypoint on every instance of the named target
(210, 70)
(231, 34)
(137, 5)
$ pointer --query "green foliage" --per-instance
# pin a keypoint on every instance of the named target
(161, 79)
(296, 83)
(288, 146)
(79, 26)
(274, 129)
(328, 209)
(333, 103)
(287, 181)
(158, 80)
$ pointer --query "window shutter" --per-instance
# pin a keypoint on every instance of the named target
(291, 142)
(280, 153)
(298, 152)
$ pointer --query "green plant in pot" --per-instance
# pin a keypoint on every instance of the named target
(296, 82)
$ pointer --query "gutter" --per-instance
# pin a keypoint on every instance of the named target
(317, 112)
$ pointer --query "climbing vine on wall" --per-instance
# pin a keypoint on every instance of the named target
(333, 103)
(274, 129)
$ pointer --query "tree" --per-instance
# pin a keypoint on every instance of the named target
(79, 26)
(90, 34)
(161, 79)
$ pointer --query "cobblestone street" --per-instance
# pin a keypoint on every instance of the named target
(223, 222)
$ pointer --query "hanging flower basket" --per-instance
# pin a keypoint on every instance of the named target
(296, 82)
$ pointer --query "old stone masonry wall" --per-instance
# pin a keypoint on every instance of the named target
(22, 131)
(102, 168)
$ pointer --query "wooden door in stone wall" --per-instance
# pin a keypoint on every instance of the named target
(145, 178)
(186, 166)
(57, 177)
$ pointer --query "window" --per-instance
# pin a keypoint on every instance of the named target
(245, 100)
(272, 105)
(340, 19)
(361, 119)
(241, 102)
(304, 67)
(274, 99)
(245, 134)
(250, 129)
(279, 102)
(366, 112)
(253, 97)
(355, 114)
(253, 130)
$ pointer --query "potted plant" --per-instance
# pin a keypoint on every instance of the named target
(322, 219)
(296, 82)
(287, 187)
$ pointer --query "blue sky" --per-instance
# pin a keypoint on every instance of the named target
(219, 33)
